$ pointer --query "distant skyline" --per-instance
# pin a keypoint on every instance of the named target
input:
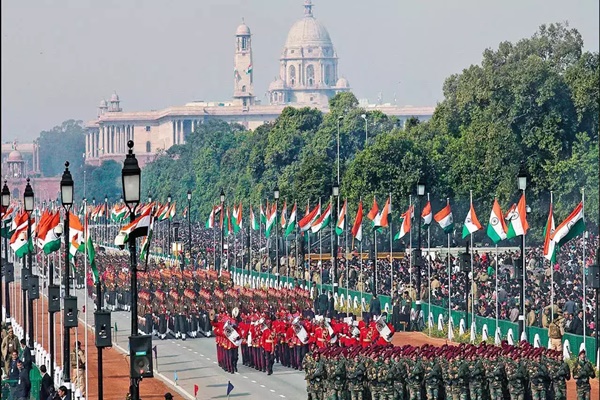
(59, 59)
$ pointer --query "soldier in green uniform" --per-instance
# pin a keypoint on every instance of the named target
(583, 371)
(560, 374)
(538, 376)
(355, 374)
(516, 376)
(308, 365)
(338, 377)
(495, 375)
(446, 376)
(432, 378)
(477, 376)
(386, 379)
(328, 385)
(399, 374)
(318, 377)
(372, 375)
(414, 379)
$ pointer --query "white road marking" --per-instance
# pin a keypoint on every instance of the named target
(195, 352)
(282, 396)
(262, 385)
(272, 391)
(178, 345)
(214, 362)
(253, 381)
(201, 355)
(208, 358)
(245, 377)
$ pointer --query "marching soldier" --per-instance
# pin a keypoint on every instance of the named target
(355, 373)
(583, 371)
(515, 375)
(399, 374)
(433, 378)
(414, 379)
(477, 377)
(495, 376)
(268, 346)
(560, 374)
(538, 377)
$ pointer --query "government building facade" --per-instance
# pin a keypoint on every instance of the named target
(308, 77)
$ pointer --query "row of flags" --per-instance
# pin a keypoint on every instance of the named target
(500, 226)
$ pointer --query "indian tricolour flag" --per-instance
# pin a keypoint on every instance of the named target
(283, 218)
(404, 224)
(518, 225)
(571, 227)
(445, 219)
(19, 242)
(138, 228)
(381, 219)
(427, 215)
(357, 227)
(341, 221)
(254, 224)
(496, 229)
(210, 223)
(91, 252)
(310, 217)
(249, 69)
(237, 222)
(549, 244)
(322, 221)
(271, 220)
(291, 225)
(50, 240)
(7, 218)
(472, 224)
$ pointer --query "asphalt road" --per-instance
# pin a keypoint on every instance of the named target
(195, 362)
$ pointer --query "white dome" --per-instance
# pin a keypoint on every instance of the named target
(114, 97)
(342, 83)
(103, 103)
(308, 31)
(242, 30)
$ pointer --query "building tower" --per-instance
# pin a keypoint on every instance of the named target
(115, 103)
(243, 81)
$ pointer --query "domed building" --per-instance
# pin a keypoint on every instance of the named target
(308, 72)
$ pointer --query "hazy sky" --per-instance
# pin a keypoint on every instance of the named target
(60, 58)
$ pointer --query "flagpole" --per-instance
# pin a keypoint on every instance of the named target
(584, 266)
(428, 270)
(391, 257)
(346, 264)
(449, 284)
(410, 263)
(472, 291)
(375, 251)
(85, 295)
(552, 276)
(321, 257)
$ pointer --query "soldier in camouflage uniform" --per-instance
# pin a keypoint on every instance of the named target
(375, 385)
(495, 374)
(414, 379)
(355, 374)
(583, 371)
(538, 376)
(560, 374)
(399, 374)
(329, 383)
(432, 378)
(477, 377)
(317, 378)
(308, 365)
(386, 379)
(516, 376)
(338, 378)
(446, 376)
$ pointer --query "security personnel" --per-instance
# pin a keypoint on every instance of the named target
(78, 364)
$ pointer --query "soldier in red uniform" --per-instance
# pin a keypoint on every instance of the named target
(268, 347)
(243, 330)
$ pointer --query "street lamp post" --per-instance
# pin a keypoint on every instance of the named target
(105, 219)
(169, 224)
(222, 219)
(29, 202)
(276, 196)
(419, 256)
(66, 193)
(336, 194)
(522, 182)
(5, 204)
(189, 198)
(131, 177)
(176, 239)
(364, 116)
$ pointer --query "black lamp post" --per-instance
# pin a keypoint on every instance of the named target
(189, 198)
(169, 224)
(29, 204)
(176, 244)
(131, 176)
(105, 219)
(522, 182)
(66, 195)
(418, 253)
(276, 196)
(95, 236)
(5, 204)
(222, 219)
(336, 194)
